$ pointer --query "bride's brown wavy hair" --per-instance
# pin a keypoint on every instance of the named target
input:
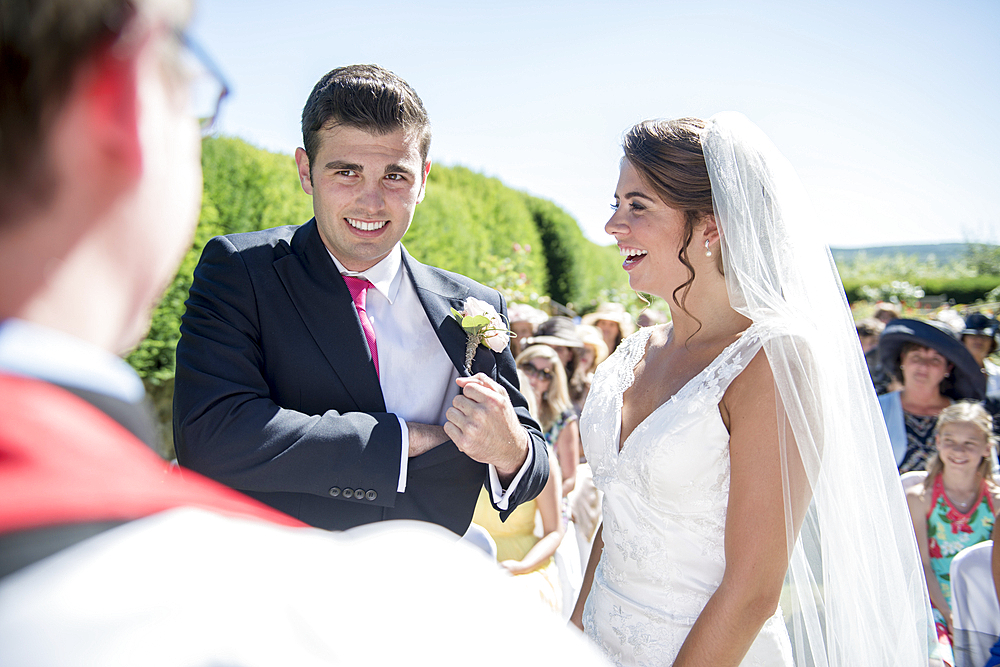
(669, 158)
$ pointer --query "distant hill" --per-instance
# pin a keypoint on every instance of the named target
(945, 253)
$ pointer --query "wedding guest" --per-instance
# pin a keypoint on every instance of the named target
(994, 660)
(529, 558)
(869, 330)
(651, 317)
(886, 312)
(956, 505)
(523, 321)
(724, 441)
(559, 333)
(547, 378)
(592, 354)
(981, 336)
(585, 499)
(614, 322)
(319, 367)
(936, 370)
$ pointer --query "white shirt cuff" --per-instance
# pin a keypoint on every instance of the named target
(404, 451)
(501, 497)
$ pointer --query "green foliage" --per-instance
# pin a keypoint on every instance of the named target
(582, 274)
(509, 275)
(895, 292)
(528, 248)
(561, 238)
(605, 281)
(984, 259)
(960, 290)
(879, 269)
(467, 221)
(903, 277)
(963, 290)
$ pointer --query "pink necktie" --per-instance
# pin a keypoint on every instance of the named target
(358, 287)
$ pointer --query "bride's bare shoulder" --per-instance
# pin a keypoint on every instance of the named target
(752, 385)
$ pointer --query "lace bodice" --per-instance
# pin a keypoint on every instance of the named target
(665, 499)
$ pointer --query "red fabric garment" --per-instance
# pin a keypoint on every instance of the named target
(64, 461)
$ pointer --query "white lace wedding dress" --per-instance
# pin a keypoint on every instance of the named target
(665, 497)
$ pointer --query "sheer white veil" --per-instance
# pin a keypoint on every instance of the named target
(855, 592)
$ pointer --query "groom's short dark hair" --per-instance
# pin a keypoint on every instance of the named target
(366, 97)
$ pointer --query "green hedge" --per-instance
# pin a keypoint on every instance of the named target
(470, 224)
(964, 289)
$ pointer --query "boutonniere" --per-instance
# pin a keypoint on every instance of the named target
(483, 326)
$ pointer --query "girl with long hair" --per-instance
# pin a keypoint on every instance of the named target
(956, 505)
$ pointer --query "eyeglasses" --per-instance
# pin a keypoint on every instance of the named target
(538, 373)
(206, 85)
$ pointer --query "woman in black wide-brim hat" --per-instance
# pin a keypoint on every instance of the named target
(936, 370)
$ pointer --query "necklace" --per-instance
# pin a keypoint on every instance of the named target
(963, 506)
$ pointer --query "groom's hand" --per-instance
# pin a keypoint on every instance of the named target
(482, 423)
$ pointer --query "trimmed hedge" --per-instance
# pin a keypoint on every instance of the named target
(961, 290)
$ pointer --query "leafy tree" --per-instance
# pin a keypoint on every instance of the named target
(984, 259)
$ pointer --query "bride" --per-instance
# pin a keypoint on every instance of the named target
(740, 448)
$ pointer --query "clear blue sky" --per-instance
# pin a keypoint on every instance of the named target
(889, 110)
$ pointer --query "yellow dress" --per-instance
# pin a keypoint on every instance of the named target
(514, 539)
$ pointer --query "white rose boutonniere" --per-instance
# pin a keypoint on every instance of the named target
(483, 326)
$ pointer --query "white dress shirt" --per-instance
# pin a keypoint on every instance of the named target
(416, 375)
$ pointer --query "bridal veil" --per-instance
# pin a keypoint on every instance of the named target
(855, 592)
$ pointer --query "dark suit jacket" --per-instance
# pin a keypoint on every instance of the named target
(276, 394)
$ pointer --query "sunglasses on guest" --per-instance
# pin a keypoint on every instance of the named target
(539, 374)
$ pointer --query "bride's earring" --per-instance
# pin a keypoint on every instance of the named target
(708, 251)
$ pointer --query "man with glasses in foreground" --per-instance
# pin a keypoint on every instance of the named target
(106, 556)
(99, 197)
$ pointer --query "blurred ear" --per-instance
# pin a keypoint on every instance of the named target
(108, 89)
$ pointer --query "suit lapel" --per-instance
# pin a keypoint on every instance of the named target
(318, 293)
(438, 296)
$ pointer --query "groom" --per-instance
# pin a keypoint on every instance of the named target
(319, 369)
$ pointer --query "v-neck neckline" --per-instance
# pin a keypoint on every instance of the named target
(619, 444)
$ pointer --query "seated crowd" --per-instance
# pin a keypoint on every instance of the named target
(939, 392)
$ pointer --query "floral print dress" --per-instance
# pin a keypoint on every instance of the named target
(949, 531)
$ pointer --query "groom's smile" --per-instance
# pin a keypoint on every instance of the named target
(366, 226)
(365, 188)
